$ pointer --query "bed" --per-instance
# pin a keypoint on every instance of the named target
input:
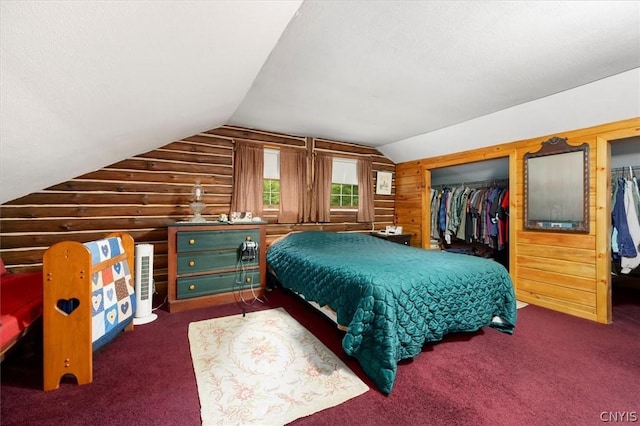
(392, 299)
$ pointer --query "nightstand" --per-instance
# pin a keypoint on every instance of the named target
(394, 238)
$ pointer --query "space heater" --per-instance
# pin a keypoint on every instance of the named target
(144, 284)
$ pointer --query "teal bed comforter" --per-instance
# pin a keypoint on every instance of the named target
(393, 298)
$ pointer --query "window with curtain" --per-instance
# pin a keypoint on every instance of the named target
(366, 208)
(271, 182)
(321, 192)
(344, 184)
(293, 186)
(248, 172)
(276, 179)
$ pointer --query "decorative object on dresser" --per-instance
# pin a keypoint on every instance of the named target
(197, 205)
(215, 263)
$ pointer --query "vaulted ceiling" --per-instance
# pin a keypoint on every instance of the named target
(86, 84)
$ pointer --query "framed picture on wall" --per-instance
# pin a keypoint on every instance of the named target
(383, 183)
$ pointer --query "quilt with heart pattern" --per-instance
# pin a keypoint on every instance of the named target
(112, 292)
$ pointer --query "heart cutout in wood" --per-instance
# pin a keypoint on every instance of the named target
(67, 306)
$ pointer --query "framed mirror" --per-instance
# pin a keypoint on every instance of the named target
(556, 187)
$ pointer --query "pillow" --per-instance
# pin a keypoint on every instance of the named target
(3, 270)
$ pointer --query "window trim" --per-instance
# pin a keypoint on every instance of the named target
(271, 208)
(354, 162)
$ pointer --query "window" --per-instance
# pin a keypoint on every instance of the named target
(344, 184)
(271, 182)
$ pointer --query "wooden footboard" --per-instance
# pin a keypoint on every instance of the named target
(67, 308)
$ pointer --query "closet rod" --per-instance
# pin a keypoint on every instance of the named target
(623, 171)
(474, 185)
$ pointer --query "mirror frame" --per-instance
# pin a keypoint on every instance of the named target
(575, 172)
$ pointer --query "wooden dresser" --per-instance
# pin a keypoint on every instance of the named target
(205, 266)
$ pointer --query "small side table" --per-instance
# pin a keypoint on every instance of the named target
(394, 238)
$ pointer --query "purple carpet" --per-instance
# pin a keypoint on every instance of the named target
(555, 369)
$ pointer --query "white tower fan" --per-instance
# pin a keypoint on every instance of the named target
(144, 285)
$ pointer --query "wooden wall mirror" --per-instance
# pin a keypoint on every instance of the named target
(556, 187)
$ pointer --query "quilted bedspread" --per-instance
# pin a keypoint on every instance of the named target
(393, 298)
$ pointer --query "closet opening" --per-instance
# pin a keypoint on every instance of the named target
(469, 209)
(625, 247)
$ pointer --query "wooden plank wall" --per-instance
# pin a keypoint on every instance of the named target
(410, 188)
(566, 272)
(143, 194)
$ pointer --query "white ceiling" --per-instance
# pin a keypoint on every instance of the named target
(86, 84)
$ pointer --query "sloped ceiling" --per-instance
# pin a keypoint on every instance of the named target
(88, 83)
(379, 72)
(85, 84)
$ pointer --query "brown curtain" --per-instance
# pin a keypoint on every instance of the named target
(321, 197)
(366, 211)
(293, 186)
(248, 175)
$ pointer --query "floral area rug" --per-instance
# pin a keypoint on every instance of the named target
(265, 369)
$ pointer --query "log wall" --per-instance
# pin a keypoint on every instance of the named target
(143, 194)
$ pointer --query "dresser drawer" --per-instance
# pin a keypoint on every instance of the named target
(190, 263)
(218, 283)
(189, 241)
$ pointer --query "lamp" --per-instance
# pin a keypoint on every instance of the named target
(197, 205)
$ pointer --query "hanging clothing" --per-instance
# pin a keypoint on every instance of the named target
(636, 193)
(471, 215)
(625, 220)
(491, 214)
(624, 242)
(615, 250)
(629, 263)
(462, 213)
(503, 220)
(435, 202)
(442, 210)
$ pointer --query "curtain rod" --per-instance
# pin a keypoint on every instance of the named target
(274, 145)
(343, 153)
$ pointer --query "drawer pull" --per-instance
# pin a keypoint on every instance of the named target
(192, 287)
(191, 263)
(192, 242)
(248, 279)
